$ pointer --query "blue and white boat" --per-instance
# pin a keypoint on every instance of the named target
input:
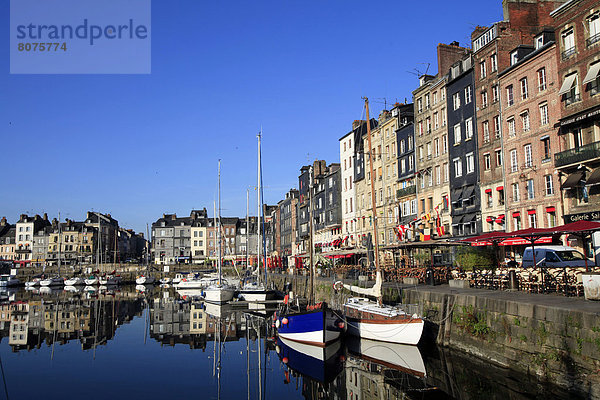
(319, 363)
(318, 325)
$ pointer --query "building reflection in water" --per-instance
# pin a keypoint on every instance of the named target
(28, 319)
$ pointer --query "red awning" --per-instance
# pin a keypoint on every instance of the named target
(488, 190)
(489, 219)
(550, 209)
(500, 219)
(516, 213)
(499, 188)
(530, 212)
(521, 241)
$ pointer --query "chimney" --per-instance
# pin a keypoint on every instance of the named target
(165, 216)
(3, 221)
(45, 216)
(529, 15)
(356, 123)
(448, 55)
(173, 217)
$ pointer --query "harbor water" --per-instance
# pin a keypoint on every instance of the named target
(157, 343)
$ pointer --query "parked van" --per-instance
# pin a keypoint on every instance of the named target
(554, 257)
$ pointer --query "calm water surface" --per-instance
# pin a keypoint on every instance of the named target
(157, 343)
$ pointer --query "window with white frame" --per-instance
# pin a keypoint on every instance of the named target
(403, 165)
(568, 43)
(457, 167)
(402, 146)
(456, 100)
(482, 69)
(495, 93)
(514, 163)
(435, 97)
(494, 62)
(436, 120)
(498, 157)
(438, 175)
(539, 42)
(544, 120)
(515, 192)
(427, 101)
(510, 100)
(446, 172)
(457, 134)
(525, 121)
(468, 94)
(532, 219)
(487, 161)
(444, 144)
(484, 99)
(470, 158)
(541, 73)
(419, 105)
(486, 131)
(496, 126)
(436, 147)
(510, 123)
(593, 29)
(523, 88)
(469, 128)
(527, 150)
(530, 189)
(549, 185)
(514, 57)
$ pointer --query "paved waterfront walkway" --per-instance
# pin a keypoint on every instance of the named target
(549, 300)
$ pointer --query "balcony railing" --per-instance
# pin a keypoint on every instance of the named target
(592, 39)
(406, 191)
(580, 154)
(568, 53)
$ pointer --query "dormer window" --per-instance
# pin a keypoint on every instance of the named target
(514, 57)
(539, 41)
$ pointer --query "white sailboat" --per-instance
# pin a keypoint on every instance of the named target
(75, 281)
(374, 320)
(254, 290)
(221, 292)
(110, 280)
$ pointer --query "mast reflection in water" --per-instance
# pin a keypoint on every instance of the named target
(157, 343)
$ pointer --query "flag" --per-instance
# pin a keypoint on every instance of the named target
(440, 230)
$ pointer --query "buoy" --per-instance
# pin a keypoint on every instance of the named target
(277, 324)
(284, 321)
(341, 325)
(285, 360)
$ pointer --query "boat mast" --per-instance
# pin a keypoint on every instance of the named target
(219, 220)
(311, 294)
(371, 156)
(99, 243)
(147, 247)
(247, 225)
(262, 208)
(258, 208)
(59, 243)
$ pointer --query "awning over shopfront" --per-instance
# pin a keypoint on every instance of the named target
(468, 192)
(567, 84)
(573, 180)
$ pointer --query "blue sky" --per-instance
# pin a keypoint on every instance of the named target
(141, 145)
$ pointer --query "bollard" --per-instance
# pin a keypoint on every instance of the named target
(513, 282)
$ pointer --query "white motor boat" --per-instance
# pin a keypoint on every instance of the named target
(9, 280)
(92, 281)
(53, 281)
(110, 280)
(144, 280)
(73, 289)
(76, 281)
(165, 280)
(219, 293)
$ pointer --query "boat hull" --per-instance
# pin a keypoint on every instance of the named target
(254, 296)
(52, 282)
(218, 295)
(400, 357)
(92, 282)
(407, 331)
(74, 282)
(320, 363)
(144, 280)
(317, 327)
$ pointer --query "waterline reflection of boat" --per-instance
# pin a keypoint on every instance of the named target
(53, 281)
(76, 281)
(7, 280)
(396, 356)
(322, 364)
